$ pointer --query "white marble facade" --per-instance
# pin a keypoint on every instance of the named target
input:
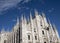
(33, 30)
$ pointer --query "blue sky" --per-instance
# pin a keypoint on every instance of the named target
(11, 9)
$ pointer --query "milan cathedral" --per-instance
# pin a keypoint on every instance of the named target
(34, 30)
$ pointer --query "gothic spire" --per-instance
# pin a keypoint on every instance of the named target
(45, 20)
(22, 17)
(17, 20)
(36, 12)
(55, 30)
(28, 20)
(49, 23)
(43, 15)
(25, 21)
(30, 15)
(54, 27)
(3, 30)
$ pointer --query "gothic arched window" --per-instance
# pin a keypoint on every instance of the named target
(28, 37)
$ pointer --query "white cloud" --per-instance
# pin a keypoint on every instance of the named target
(14, 20)
(25, 1)
(51, 10)
(6, 4)
(27, 8)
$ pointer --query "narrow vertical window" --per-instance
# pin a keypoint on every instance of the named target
(28, 37)
(42, 32)
(35, 37)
